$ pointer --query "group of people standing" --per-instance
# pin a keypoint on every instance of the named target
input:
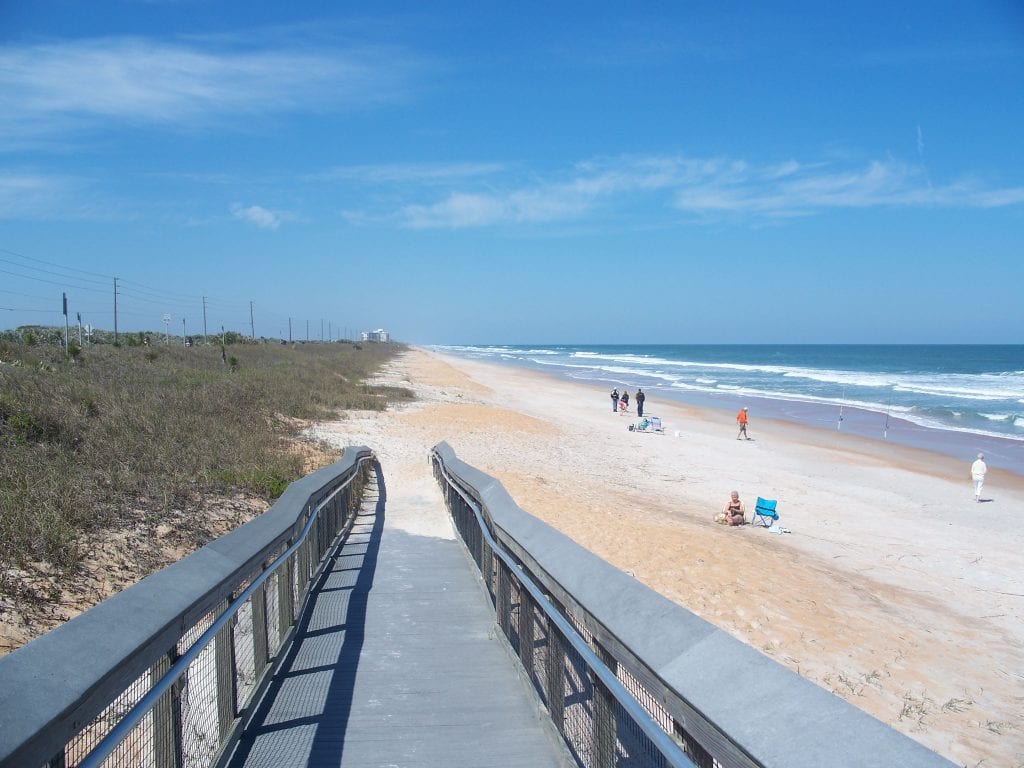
(620, 403)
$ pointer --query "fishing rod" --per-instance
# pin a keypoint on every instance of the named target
(888, 407)
(842, 402)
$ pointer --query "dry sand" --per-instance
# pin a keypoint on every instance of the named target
(894, 589)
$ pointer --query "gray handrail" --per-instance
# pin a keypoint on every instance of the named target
(709, 684)
(54, 687)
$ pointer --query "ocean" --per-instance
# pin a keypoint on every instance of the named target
(956, 399)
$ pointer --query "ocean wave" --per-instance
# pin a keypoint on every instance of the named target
(1019, 421)
(923, 421)
(966, 391)
(624, 373)
(797, 397)
(995, 416)
(660, 361)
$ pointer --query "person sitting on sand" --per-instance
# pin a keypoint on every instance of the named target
(732, 514)
(624, 400)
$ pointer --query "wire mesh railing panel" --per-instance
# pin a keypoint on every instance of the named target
(273, 615)
(578, 711)
(633, 748)
(200, 729)
(651, 703)
(137, 749)
(193, 633)
(541, 649)
(245, 651)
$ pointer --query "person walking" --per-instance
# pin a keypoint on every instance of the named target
(741, 419)
(615, 400)
(640, 397)
(978, 470)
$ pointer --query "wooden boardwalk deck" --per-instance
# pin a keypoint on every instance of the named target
(397, 662)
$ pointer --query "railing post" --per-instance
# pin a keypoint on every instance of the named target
(227, 679)
(604, 734)
(167, 717)
(555, 675)
(693, 750)
(503, 588)
(260, 645)
(303, 564)
(285, 599)
(525, 630)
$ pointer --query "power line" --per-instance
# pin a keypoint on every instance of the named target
(52, 264)
(27, 296)
(49, 271)
(51, 282)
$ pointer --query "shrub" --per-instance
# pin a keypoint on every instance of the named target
(132, 429)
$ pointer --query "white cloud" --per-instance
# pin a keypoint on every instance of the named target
(26, 194)
(706, 187)
(258, 215)
(411, 173)
(56, 87)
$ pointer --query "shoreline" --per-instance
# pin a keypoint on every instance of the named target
(894, 589)
(1005, 453)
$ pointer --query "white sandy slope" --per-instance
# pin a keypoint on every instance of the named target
(895, 590)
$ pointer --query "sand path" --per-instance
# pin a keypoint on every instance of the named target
(894, 590)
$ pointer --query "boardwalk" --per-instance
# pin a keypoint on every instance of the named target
(397, 663)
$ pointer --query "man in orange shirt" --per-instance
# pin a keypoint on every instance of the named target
(741, 419)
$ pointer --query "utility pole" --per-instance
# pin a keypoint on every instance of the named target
(183, 333)
(321, 330)
(307, 331)
(167, 329)
(289, 330)
(252, 324)
(115, 312)
(204, 321)
(79, 314)
(330, 332)
(67, 349)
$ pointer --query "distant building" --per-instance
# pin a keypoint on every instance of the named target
(379, 335)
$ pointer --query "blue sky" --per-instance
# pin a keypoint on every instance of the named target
(487, 172)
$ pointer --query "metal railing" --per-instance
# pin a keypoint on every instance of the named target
(601, 722)
(161, 674)
(631, 679)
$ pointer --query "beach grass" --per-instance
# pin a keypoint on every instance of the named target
(112, 430)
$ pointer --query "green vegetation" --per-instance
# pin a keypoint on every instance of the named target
(85, 440)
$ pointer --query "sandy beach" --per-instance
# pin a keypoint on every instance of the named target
(893, 588)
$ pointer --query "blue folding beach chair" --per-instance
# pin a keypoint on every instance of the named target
(764, 512)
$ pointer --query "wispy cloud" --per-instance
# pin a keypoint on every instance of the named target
(53, 87)
(411, 173)
(702, 188)
(31, 195)
(258, 215)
